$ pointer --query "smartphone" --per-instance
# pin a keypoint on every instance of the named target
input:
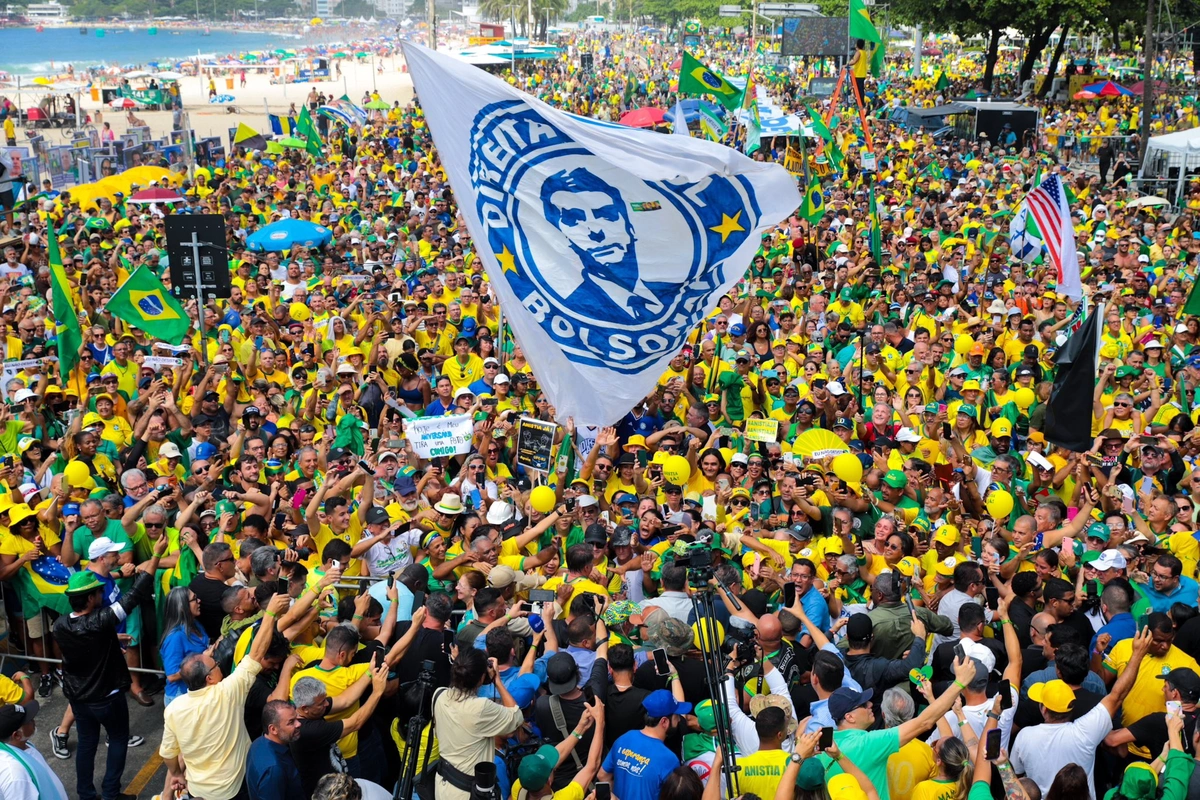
(438, 461)
(789, 595)
(908, 602)
(589, 695)
(541, 596)
(280, 518)
(603, 791)
(1175, 707)
(947, 431)
(1005, 694)
(365, 466)
(826, 740)
(570, 504)
(661, 667)
(992, 751)
(960, 652)
(992, 594)
(391, 580)
(336, 564)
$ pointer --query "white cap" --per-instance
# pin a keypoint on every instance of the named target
(1181, 328)
(1143, 259)
(499, 513)
(740, 458)
(346, 369)
(586, 501)
(501, 378)
(1110, 559)
(169, 450)
(835, 388)
(463, 391)
(24, 394)
(487, 361)
(978, 651)
(102, 546)
(28, 490)
(907, 435)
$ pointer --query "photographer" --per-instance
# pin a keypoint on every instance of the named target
(467, 724)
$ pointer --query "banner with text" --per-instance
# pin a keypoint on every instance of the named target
(432, 437)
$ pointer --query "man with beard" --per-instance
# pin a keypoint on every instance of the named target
(999, 443)
(639, 762)
(252, 419)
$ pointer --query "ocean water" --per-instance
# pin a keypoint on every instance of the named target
(26, 52)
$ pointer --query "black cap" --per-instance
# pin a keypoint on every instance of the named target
(859, 628)
(562, 673)
(377, 515)
(596, 533)
(1184, 679)
(845, 700)
(13, 716)
(626, 459)
(252, 411)
(622, 536)
(337, 454)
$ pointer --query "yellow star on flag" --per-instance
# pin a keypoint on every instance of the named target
(728, 225)
(507, 262)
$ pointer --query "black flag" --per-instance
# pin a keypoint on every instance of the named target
(1069, 412)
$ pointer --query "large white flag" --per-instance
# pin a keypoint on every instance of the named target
(606, 244)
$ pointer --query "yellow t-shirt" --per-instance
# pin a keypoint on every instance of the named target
(572, 791)
(10, 691)
(578, 586)
(935, 790)
(337, 681)
(909, 766)
(351, 536)
(761, 772)
(1146, 696)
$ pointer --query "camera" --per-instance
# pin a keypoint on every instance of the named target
(699, 564)
(744, 652)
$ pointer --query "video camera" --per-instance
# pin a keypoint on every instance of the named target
(699, 565)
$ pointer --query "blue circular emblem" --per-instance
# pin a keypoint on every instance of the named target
(617, 270)
(151, 306)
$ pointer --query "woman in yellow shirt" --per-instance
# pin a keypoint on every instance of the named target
(955, 772)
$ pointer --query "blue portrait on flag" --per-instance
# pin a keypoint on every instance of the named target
(615, 269)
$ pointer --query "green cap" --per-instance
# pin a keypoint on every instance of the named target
(1098, 530)
(895, 479)
(706, 715)
(811, 776)
(931, 408)
(968, 409)
(226, 507)
(845, 294)
(535, 769)
(83, 582)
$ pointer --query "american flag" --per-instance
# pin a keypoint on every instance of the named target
(1050, 209)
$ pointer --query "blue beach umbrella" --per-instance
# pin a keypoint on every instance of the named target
(287, 233)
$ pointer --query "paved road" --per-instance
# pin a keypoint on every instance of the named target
(144, 772)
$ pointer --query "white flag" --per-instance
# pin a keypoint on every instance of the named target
(680, 126)
(606, 244)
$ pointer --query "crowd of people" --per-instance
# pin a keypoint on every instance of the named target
(915, 594)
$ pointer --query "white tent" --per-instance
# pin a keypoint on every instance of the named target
(1169, 160)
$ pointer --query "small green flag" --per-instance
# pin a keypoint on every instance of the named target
(818, 125)
(695, 78)
(1192, 306)
(753, 122)
(70, 336)
(876, 239)
(143, 302)
(943, 83)
(814, 202)
(306, 128)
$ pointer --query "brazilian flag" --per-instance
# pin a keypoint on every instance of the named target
(814, 203)
(143, 302)
(695, 78)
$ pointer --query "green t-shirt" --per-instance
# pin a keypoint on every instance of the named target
(82, 539)
(869, 750)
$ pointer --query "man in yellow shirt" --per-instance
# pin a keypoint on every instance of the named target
(580, 559)
(338, 675)
(1146, 696)
(761, 771)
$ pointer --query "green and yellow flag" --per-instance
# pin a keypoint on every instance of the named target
(813, 207)
(306, 128)
(70, 336)
(695, 78)
(143, 302)
(752, 120)
(876, 237)
(861, 26)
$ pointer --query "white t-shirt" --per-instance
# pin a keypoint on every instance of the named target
(977, 717)
(385, 558)
(1041, 751)
(15, 783)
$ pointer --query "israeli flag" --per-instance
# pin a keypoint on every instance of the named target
(605, 244)
(1024, 238)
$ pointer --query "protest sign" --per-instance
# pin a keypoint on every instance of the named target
(762, 430)
(432, 437)
(158, 362)
(535, 444)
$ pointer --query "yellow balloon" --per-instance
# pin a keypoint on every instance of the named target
(77, 475)
(677, 470)
(542, 499)
(963, 344)
(999, 504)
(848, 468)
(1024, 398)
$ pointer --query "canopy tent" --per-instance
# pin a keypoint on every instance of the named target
(1170, 160)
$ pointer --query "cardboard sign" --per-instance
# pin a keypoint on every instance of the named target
(433, 437)
(159, 362)
(535, 444)
(762, 430)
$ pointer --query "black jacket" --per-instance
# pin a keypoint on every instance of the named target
(875, 672)
(93, 665)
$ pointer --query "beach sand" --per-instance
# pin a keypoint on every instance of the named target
(260, 98)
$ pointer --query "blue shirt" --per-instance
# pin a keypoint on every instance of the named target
(816, 609)
(1184, 593)
(404, 599)
(481, 387)
(819, 709)
(639, 764)
(271, 773)
(1092, 682)
(1120, 627)
(523, 688)
(176, 646)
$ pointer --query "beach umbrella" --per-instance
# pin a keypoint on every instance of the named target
(361, 54)
(1140, 87)
(287, 233)
(124, 102)
(138, 73)
(156, 195)
(43, 81)
(315, 21)
(145, 175)
(168, 75)
(692, 108)
(1085, 95)
(1107, 89)
(377, 105)
(646, 117)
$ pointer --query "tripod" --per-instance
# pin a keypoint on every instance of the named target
(412, 734)
(714, 670)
